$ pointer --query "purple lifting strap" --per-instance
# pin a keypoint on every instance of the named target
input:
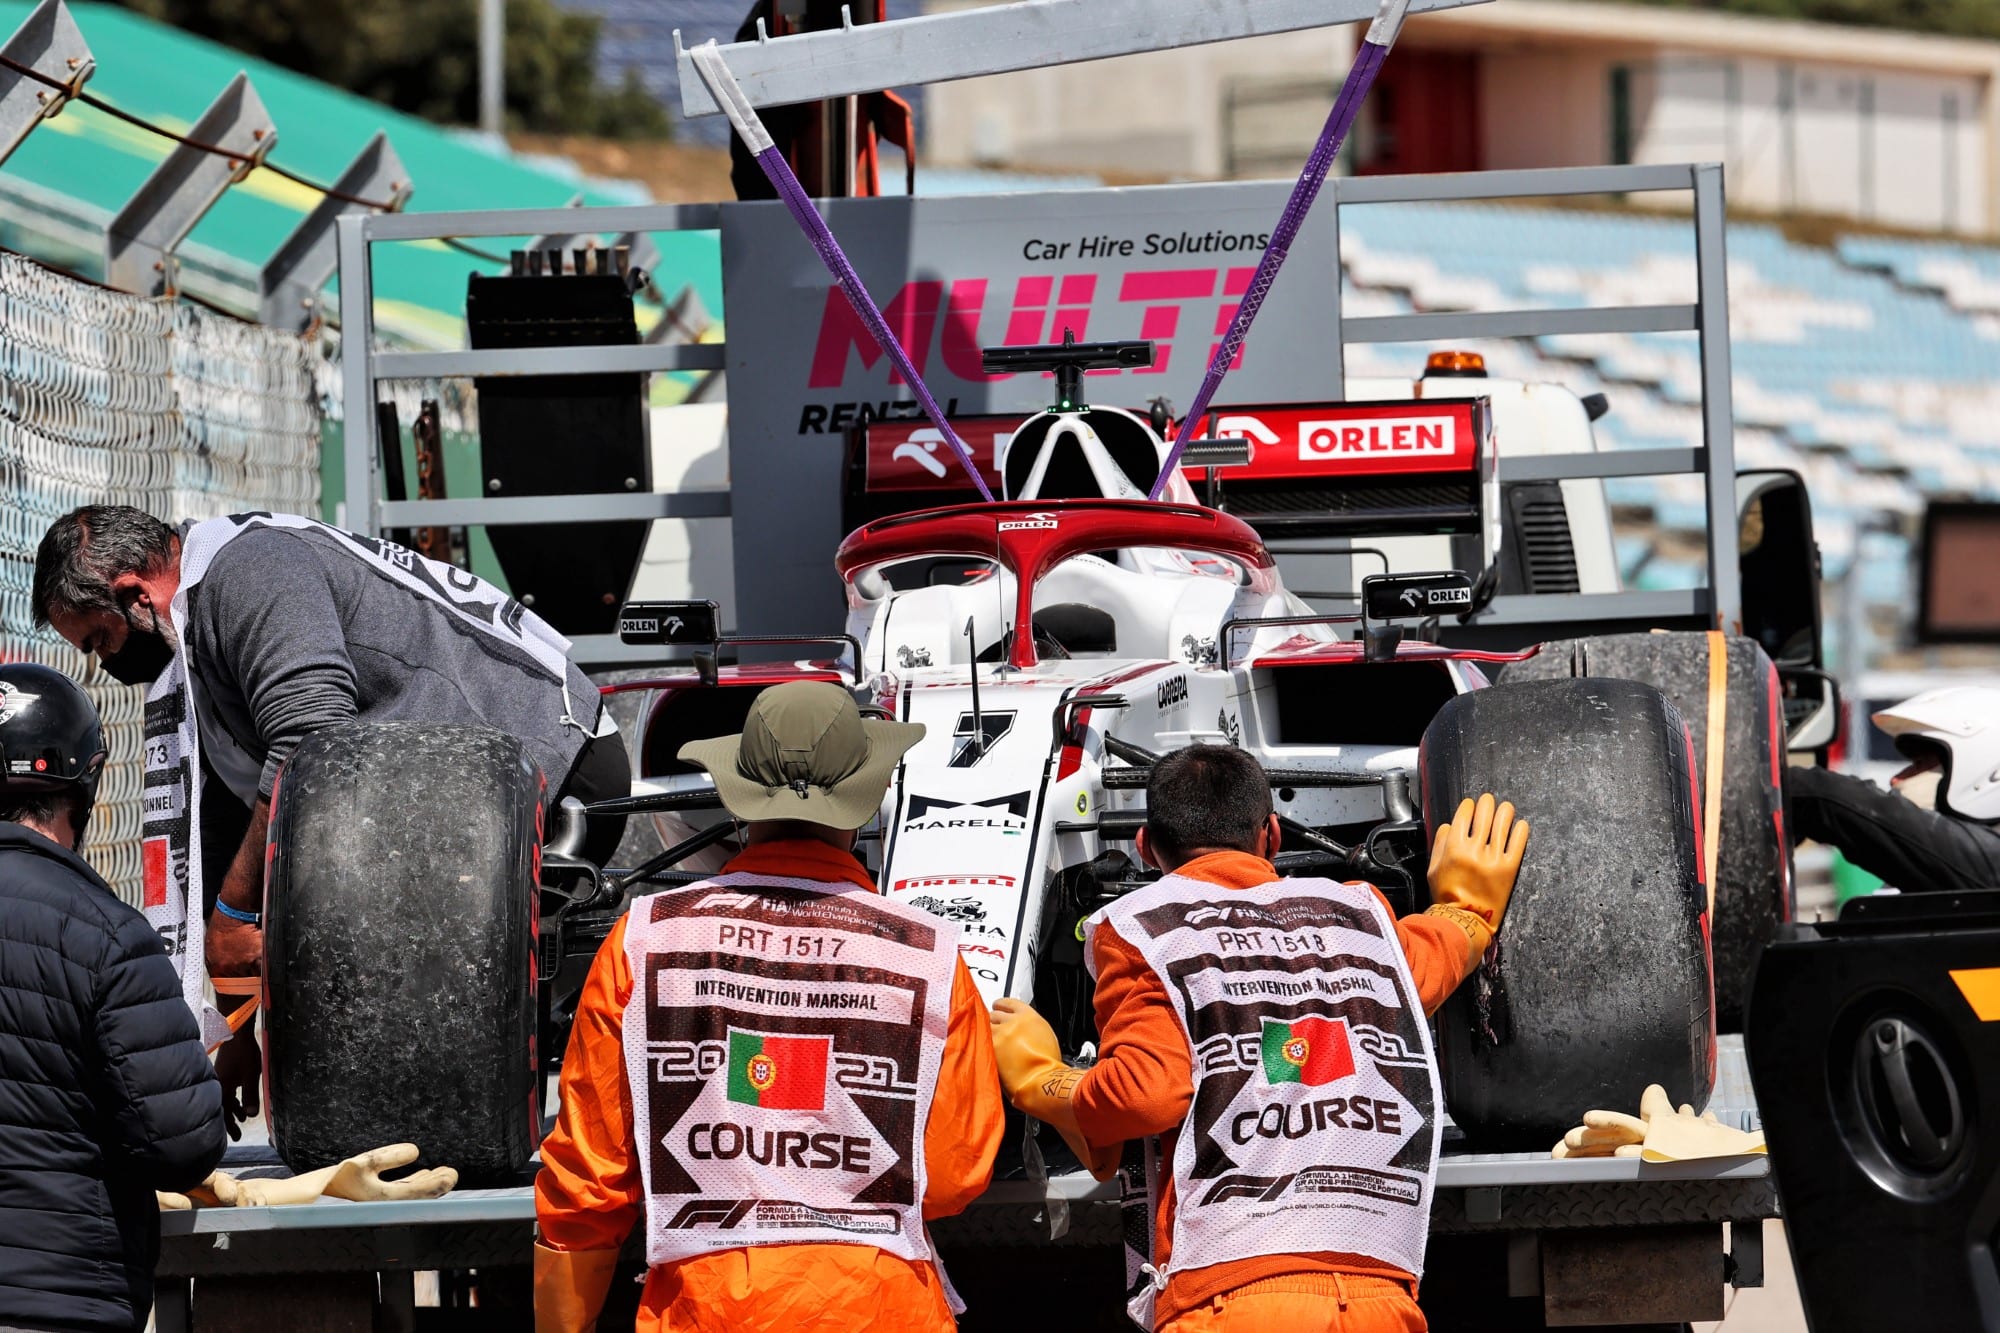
(1338, 122)
(836, 261)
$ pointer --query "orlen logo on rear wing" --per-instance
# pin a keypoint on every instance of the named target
(1335, 440)
(913, 455)
(1325, 442)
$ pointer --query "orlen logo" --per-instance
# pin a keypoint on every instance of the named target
(1331, 441)
(926, 449)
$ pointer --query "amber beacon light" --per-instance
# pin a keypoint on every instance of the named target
(1445, 365)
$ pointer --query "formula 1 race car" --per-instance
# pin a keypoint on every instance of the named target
(1056, 643)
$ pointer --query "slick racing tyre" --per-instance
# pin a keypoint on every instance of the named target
(1752, 855)
(399, 948)
(1598, 982)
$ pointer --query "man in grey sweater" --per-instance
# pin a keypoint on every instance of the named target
(286, 626)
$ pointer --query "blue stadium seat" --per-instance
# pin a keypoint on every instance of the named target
(1872, 368)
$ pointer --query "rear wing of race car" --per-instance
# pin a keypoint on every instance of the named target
(1313, 470)
(1359, 469)
(902, 466)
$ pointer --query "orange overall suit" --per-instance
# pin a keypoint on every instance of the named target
(589, 1194)
(1143, 1084)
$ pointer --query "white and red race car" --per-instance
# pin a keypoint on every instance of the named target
(1056, 642)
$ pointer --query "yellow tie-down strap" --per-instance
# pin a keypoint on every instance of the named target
(1718, 738)
(250, 986)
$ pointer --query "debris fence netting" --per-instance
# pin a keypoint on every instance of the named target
(107, 398)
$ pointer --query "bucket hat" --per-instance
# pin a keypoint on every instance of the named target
(805, 753)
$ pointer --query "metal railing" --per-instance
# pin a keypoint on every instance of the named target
(1720, 602)
(365, 367)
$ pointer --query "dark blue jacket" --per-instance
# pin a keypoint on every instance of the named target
(105, 1094)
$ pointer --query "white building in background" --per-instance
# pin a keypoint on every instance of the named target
(1895, 128)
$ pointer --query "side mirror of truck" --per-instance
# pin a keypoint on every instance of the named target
(1812, 709)
(1778, 562)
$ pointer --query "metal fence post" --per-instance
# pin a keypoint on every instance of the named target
(288, 288)
(1717, 408)
(50, 43)
(357, 371)
(1337, 305)
(139, 244)
(492, 65)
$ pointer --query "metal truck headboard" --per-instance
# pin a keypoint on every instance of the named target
(956, 274)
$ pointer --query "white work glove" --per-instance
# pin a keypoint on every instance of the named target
(1659, 1133)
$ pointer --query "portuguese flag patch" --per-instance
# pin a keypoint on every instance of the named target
(779, 1073)
(1311, 1050)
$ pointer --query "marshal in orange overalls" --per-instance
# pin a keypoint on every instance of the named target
(588, 1196)
(1143, 1084)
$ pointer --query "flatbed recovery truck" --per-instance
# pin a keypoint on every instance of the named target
(1519, 1240)
(1610, 1242)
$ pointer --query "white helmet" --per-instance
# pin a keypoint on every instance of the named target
(1960, 725)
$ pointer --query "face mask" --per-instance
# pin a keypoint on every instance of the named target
(144, 656)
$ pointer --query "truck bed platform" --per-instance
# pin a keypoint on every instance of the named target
(1476, 1192)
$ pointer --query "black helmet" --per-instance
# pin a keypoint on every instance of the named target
(50, 737)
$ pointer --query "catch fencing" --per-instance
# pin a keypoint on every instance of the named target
(107, 398)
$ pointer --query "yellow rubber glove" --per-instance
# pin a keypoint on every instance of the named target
(1040, 1084)
(1681, 1136)
(1473, 864)
(1603, 1134)
(1659, 1133)
(359, 1178)
(570, 1286)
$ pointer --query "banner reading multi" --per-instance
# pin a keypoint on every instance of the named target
(954, 275)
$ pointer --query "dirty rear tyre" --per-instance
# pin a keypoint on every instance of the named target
(1599, 981)
(1753, 857)
(400, 948)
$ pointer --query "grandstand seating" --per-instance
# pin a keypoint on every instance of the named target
(1873, 368)
(1967, 277)
(637, 42)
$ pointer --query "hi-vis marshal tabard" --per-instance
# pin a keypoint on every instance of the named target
(170, 851)
(782, 1044)
(170, 847)
(1314, 1125)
